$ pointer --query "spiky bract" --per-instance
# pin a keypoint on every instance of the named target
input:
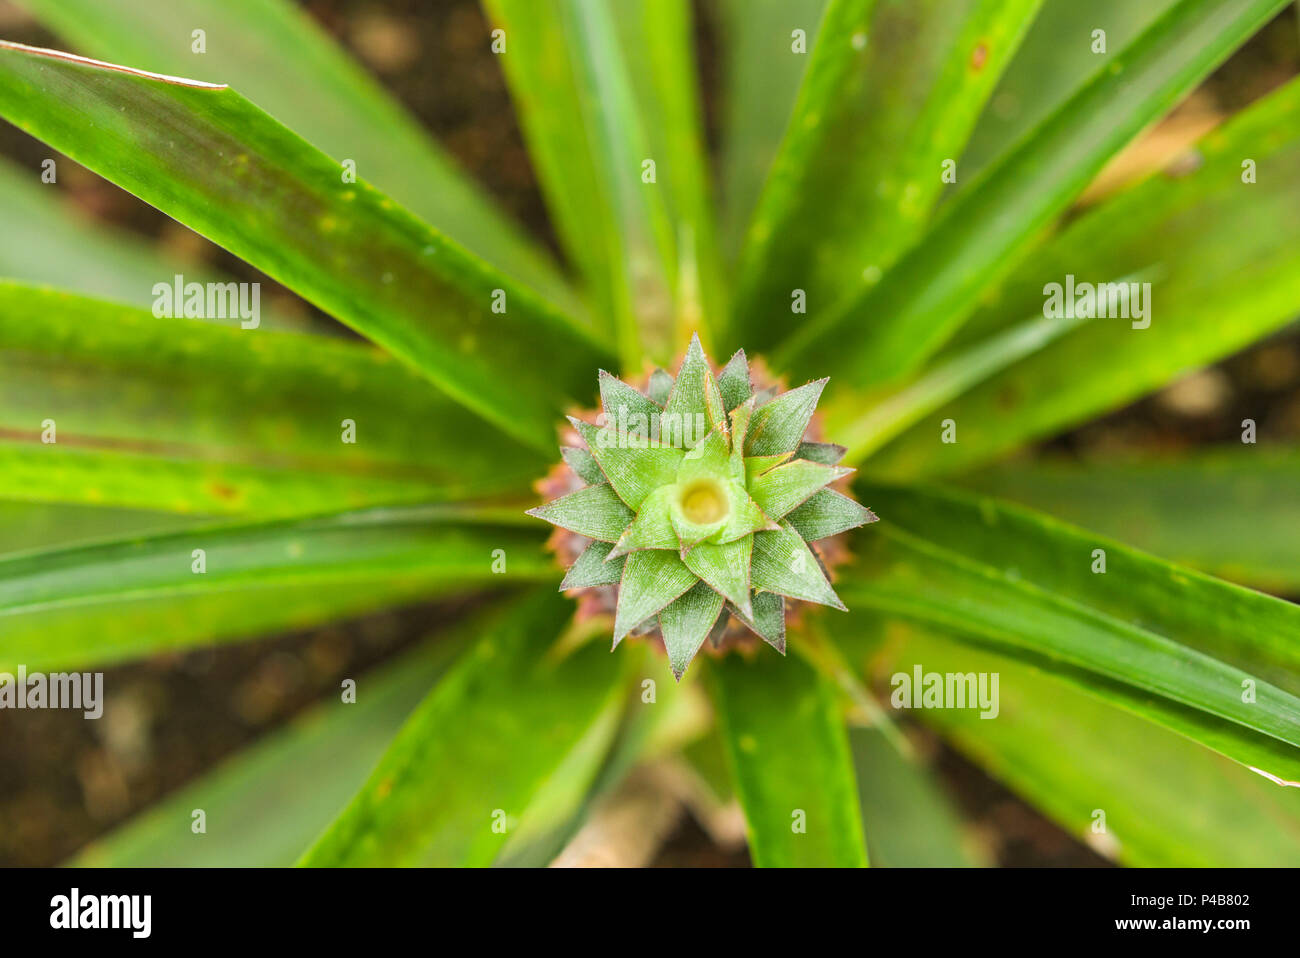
(701, 498)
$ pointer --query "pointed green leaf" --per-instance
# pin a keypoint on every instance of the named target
(651, 579)
(593, 511)
(1169, 643)
(634, 468)
(726, 569)
(274, 52)
(790, 763)
(686, 623)
(695, 405)
(652, 528)
(745, 517)
(827, 453)
(828, 513)
(49, 241)
(583, 464)
(661, 386)
(146, 417)
(270, 801)
(783, 563)
(586, 132)
(755, 466)
(1228, 260)
(779, 490)
(212, 160)
(778, 426)
(712, 457)
(594, 567)
(733, 381)
(760, 83)
(126, 598)
(1048, 68)
(836, 207)
(768, 622)
(488, 736)
(1245, 500)
(621, 402)
(1169, 801)
(889, 329)
(740, 417)
(868, 422)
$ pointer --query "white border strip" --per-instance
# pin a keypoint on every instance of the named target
(1273, 778)
(86, 61)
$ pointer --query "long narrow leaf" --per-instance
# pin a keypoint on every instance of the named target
(23, 524)
(107, 404)
(864, 430)
(909, 821)
(64, 473)
(121, 599)
(454, 783)
(1236, 625)
(658, 42)
(1183, 648)
(211, 159)
(891, 327)
(587, 135)
(265, 805)
(1061, 52)
(1227, 257)
(765, 55)
(1130, 789)
(571, 800)
(1233, 512)
(912, 74)
(276, 55)
(790, 762)
(46, 241)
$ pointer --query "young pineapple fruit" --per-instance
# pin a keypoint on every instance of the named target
(697, 500)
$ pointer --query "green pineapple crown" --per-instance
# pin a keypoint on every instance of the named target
(701, 498)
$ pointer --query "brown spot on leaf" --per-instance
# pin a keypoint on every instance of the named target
(979, 57)
(223, 491)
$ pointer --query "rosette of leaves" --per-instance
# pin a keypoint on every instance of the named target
(701, 500)
(896, 184)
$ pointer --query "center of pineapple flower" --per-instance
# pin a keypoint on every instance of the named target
(704, 502)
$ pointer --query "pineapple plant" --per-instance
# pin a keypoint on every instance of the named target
(696, 497)
(894, 187)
